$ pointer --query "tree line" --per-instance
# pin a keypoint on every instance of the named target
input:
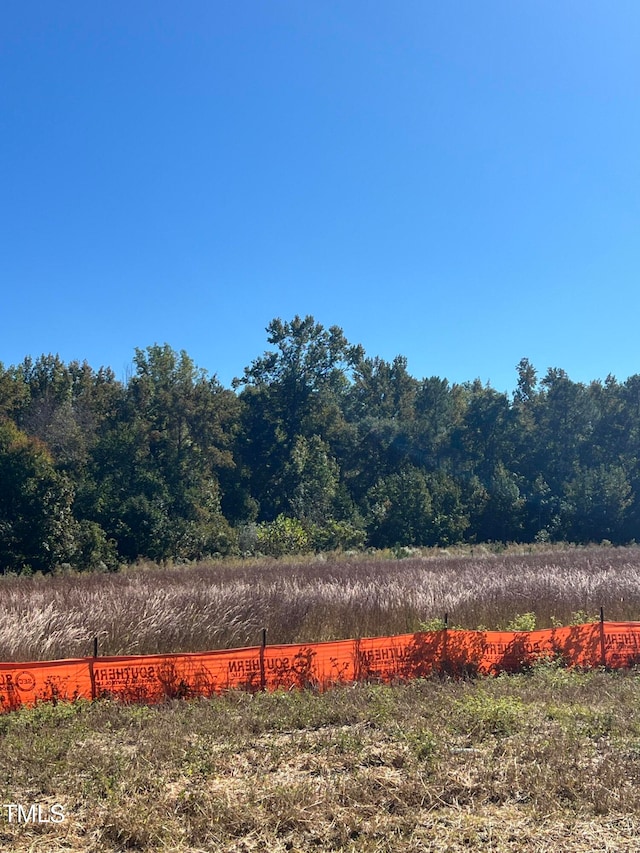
(316, 446)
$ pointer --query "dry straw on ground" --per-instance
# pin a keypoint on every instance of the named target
(534, 762)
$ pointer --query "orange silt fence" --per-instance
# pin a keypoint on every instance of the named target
(621, 644)
(41, 681)
(152, 678)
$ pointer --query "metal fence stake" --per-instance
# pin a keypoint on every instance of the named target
(445, 640)
(263, 676)
(603, 647)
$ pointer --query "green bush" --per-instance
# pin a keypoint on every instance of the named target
(482, 715)
(93, 549)
(335, 535)
(522, 622)
(581, 617)
(282, 536)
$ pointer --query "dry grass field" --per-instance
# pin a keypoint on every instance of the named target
(543, 761)
(539, 762)
(147, 609)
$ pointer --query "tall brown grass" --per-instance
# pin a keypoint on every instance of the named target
(150, 609)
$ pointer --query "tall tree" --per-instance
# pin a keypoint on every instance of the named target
(401, 511)
(380, 409)
(484, 438)
(157, 489)
(439, 409)
(37, 528)
(313, 477)
(296, 389)
(596, 504)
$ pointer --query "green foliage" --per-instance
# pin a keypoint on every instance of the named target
(93, 550)
(314, 474)
(401, 510)
(353, 448)
(383, 390)
(37, 527)
(450, 518)
(424, 744)
(308, 356)
(597, 500)
(436, 623)
(156, 469)
(293, 401)
(335, 535)
(522, 622)
(582, 617)
(481, 715)
(282, 536)
(582, 720)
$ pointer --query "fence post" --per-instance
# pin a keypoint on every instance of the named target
(263, 645)
(603, 648)
(92, 674)
(445, 639)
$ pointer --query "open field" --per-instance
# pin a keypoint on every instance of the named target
(534, 762)
(147, 609)
(537, 762)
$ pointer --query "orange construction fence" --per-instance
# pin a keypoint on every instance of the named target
(150, 678)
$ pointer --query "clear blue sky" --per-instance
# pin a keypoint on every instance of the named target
(456, 182)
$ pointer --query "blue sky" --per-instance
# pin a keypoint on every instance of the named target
(456, 182)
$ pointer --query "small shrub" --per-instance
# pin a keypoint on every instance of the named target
(423, 744)
(482, 715)
(582, 720)
(522, 622)
(581, 617)
(436, 623)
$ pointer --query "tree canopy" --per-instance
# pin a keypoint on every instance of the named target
(316, 445)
